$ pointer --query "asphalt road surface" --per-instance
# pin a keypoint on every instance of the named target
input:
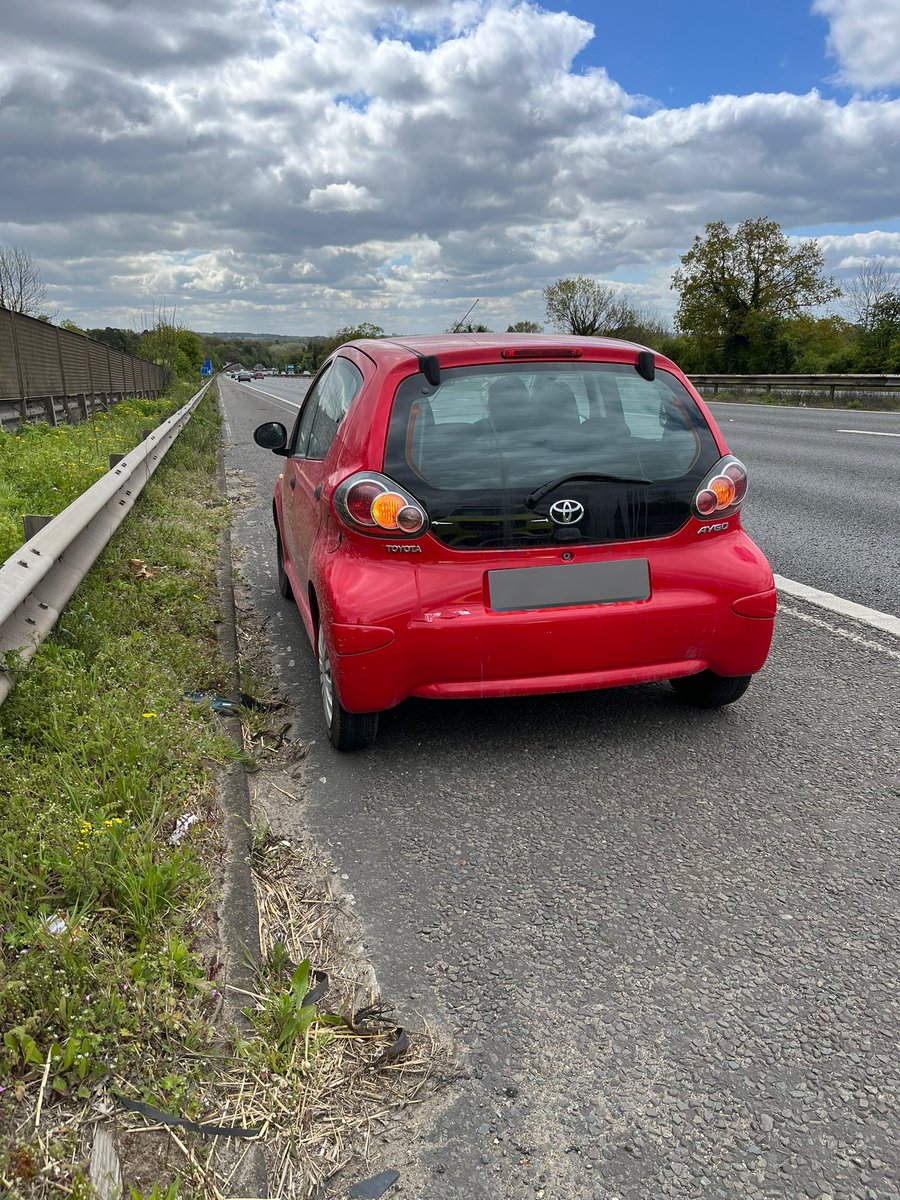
(664, 942)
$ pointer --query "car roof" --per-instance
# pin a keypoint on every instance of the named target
(463, 348)
(437, 342)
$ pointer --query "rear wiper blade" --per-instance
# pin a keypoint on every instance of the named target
(538, 494)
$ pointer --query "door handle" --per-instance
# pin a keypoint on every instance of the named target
(293, 482)
(318, 492)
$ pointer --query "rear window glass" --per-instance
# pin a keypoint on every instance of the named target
(521, 426)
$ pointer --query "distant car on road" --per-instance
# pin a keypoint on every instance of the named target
(508, 515)
(244, 376)
(258, 375)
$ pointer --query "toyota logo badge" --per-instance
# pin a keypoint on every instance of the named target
(566, 512)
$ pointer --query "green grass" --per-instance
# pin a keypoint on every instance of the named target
(106, 967)
(43, 468)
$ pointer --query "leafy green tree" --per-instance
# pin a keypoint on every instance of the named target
(125, 340)
(587, 308)
(349, 333)
(736, 287)
(820, 345)
(525, 327)
(878, 349)
(190, 348)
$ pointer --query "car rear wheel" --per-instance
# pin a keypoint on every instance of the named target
(284, 584)
(708, 690)
(346, 730)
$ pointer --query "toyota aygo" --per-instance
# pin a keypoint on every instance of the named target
(479, 515)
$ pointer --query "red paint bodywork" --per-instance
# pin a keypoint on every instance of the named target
(418, 624)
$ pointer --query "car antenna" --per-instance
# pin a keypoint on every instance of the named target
(460, 321)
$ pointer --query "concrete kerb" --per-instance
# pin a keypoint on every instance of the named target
(237, 911)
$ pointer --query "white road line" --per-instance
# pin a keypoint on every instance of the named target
(844, 633)
(836, 604)
(262, 392)
(869, 432)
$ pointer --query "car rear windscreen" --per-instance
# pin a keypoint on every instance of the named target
(475, 447)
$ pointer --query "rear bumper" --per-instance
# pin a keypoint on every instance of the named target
(439, 640)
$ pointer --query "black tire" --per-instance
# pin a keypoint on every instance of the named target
(346, 730)
(284, 584)
(708, 690)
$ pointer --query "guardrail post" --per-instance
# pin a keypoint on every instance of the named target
(115, 459)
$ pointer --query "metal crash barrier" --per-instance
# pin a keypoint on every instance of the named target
(39, 579)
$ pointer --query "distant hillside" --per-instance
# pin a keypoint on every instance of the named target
(261, 337)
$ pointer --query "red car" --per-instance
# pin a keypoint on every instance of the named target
(479, 515)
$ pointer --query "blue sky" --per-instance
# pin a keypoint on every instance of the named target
(305, 165)
(683, 53)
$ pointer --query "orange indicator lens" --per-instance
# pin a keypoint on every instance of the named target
(385, 509)
(723, 489)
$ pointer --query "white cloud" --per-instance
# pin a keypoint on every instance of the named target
(865, 39)
(848, 252)
(306, 167)
(342, 197)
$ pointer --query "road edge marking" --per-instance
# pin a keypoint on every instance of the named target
(869, 432)
(844, 633)
(837, 604)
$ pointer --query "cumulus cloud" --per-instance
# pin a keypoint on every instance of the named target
(292, 167)
(865, 39)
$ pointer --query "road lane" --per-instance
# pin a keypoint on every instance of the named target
(664, 941)
(823, 505)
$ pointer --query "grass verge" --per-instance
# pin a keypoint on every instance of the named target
(110, 974)
(865, 401)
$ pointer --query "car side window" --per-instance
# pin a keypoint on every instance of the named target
(307, 416)
(339, 388)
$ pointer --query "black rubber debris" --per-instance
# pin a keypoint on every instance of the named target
(371, 1189)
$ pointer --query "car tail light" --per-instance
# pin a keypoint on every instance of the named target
(723, 490)
(372, 503)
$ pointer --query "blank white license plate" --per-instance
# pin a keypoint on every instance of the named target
(523, 588)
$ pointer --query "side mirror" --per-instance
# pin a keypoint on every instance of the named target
(271, 436)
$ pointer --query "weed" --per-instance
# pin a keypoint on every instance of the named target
(170, 1193)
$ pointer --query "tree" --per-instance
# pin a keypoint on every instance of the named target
(643, 325)
(525, 327)
(468, 328)
(125, 340)
(872, 284)
(587, 308)
(21, 288)
(878, 348)
(349, 333)
(737, 286)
